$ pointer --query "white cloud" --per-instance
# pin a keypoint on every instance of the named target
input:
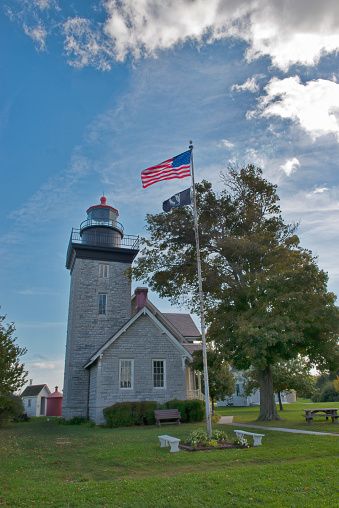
(311, 201)
(38, 34)
(286, 31)
(250, 85)
(320, 190)
(43, 365)
(227, 144)
(290, 166)
(85, 45)
(315, 105)
(291, 32)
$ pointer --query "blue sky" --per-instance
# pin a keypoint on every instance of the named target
(93, 92)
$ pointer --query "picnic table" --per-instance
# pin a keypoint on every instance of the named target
(321, 412)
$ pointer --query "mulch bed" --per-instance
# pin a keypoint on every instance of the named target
(222, 445)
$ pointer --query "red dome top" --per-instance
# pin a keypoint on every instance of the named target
(56, 394)
(103, 204)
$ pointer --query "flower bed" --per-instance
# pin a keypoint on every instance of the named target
(199, 441)
(221, 445)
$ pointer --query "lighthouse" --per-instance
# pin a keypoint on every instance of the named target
(98, 257)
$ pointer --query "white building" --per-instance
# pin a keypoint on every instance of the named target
(34, 399)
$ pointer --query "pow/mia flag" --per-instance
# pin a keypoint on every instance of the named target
(183, 198)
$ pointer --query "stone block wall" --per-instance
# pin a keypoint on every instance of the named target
(142, 342)
(87, 330)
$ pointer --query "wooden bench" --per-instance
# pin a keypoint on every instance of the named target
(167, 414)
(256, 437)
(320, 412)
(309, 418)
(170, 441)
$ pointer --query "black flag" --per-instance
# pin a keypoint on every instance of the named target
(183, 198)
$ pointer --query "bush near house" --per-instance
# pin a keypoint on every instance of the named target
(192, 410)
(126, 414)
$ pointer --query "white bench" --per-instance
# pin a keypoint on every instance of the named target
(170, 441)
(256, 437)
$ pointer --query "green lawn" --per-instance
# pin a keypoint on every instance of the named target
(126, 467)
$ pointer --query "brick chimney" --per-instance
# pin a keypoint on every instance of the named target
(141, 298)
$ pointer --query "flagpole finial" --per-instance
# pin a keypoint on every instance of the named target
(191, 145)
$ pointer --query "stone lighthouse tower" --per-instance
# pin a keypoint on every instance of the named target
(100, 297)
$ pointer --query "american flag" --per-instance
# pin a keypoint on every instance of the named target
(177, 167)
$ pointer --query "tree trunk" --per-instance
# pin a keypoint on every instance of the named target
(280, 403)
(212, 398)
(268, 410)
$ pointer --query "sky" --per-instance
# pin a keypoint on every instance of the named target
(93, 92)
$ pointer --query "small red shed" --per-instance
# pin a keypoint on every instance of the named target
(54, 403)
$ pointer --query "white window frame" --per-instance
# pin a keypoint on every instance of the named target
(103, 270)
(132, 374)
(100, 305)
(164, 373)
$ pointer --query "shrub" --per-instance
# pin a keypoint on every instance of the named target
(316, 396)
(199, 436)
(89, 424)
(77, 420)
(125, 414)
(216, 417)
(119, 415)
(11, 407)
(329, 393)
(192, 410)
(196, 410)
(219, 435)
(180, 405)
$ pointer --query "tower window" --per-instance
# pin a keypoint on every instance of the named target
(126, 374)
(103, 271)
(159, 373)
(102, 304)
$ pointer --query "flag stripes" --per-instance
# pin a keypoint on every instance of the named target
(177, 167)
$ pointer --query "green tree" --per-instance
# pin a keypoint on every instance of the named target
(221, 381)
(266, 299)
(336, 384)
(290, 376)
(11, 407)
(12, 372)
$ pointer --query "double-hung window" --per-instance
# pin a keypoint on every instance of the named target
(159, 373)
(102, 304)
(126, 374)
(103, 271)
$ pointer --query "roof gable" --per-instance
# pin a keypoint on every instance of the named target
(34, 390)
(142, 312)
(180, 325)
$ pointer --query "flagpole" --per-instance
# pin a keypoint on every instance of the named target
(202, 318)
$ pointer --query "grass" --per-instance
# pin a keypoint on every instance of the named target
(127, 468)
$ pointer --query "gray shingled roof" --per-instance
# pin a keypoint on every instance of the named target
(33, 390)
(192, 347)
(184, 324)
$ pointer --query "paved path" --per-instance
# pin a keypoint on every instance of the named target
(280, 429)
